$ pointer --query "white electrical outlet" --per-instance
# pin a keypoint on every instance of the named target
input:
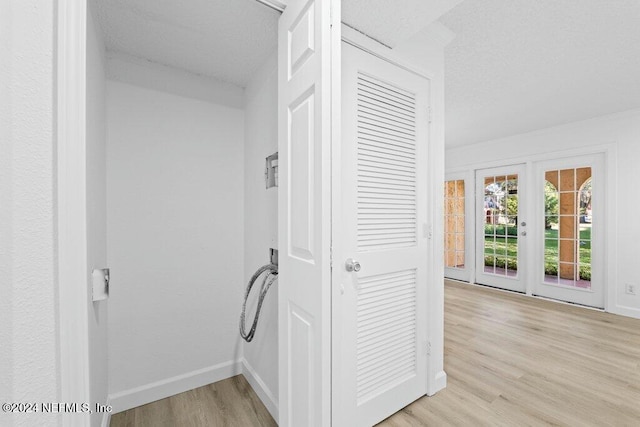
(630, 288)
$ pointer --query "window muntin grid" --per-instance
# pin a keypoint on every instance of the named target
(568, 226)
(500, 243)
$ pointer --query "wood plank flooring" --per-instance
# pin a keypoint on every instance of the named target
(518, 361)
(510, 361)
(231, 402)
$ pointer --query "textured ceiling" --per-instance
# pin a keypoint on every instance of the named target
(392, 22)
(230, 39)
(223, 39)
(520, 65)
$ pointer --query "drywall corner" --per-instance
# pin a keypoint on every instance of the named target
(261, 220)
(141, 72)
(262, 390)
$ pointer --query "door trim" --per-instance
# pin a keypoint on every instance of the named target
(375, 48)
(71, 210)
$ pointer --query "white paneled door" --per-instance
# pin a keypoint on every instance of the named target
(305, 48)
(380, 306)
(501, 227)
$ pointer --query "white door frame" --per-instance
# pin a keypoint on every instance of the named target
(72, 279)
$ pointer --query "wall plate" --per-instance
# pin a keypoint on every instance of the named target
(271, 171)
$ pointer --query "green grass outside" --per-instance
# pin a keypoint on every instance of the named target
(505, 249)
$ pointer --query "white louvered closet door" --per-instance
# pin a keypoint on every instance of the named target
(380, 321)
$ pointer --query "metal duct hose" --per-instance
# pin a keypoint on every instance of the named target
(268, 280)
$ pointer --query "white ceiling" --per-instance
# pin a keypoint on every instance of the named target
(224, 39)
(520, 65)
(392, 22)
(514, 66)
(238, 35)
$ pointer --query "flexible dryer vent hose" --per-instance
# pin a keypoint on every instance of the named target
(268, 280)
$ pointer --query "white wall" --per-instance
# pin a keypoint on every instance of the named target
(96, 208)
(261, 229)
(175, 221)
(28, 288)
(620, 134)
(151, 75)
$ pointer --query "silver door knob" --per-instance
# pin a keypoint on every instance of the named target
(352, 265)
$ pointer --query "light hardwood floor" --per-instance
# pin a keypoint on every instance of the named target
(518, 361)
(231, 402)
(510, 361)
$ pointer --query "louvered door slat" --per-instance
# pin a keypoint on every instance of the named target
(387, 126)
(385, 163)
(374, 141)
(396, 120)
(386, 338)
(374, 94)
(365, 79)
(386, 158)
(376, 130)
(367, 107)
(386, 154)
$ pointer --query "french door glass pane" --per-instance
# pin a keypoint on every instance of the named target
(501, 225)
(568, 222)
(454, 240)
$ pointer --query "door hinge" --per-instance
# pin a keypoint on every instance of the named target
(429, 114)
(428, 348)
(427, 231)
(331, 258)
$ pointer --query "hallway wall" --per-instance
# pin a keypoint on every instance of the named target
(29, 349)
(175, 178)
(261, 229)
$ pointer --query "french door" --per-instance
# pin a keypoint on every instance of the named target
(569, 236)
(562, 244)
(501, 227)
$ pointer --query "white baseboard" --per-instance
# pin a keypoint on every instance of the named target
(148, 393)
(106, 417)
(440, 383)
(261, 389)
(626, 311)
